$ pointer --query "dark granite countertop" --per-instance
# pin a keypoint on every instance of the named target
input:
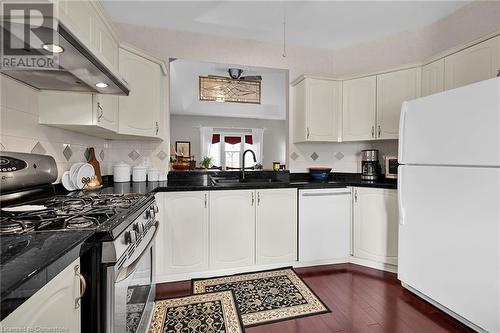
(200, 181)
(29, 261)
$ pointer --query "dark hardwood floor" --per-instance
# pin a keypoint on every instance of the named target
(361, 300)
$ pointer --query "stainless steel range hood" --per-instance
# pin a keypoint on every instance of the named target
(77, 68)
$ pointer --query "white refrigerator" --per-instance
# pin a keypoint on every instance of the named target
(449, 202)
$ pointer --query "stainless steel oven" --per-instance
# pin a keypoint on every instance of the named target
(130, 286)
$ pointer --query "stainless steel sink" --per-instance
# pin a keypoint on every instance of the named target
(231, 181)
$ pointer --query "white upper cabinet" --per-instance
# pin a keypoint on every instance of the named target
(140, 112)
(433, 78)
(183, 236)
(232, 229)
(359, 108)
(392, 90)
(276, 226)
(375, 225)
(317, 106)
(82, 112)
(476, 63)
(85, 20)
(57, 304)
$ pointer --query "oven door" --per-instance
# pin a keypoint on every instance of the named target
(131, 292)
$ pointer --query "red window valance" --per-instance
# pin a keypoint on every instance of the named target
(232, 140)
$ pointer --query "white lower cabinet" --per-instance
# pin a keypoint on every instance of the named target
(232, 228)
(183, 234)
(205, 231)
(276, 226)
(56, 305)
(375, 225)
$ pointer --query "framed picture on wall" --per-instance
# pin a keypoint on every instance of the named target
(183, 148)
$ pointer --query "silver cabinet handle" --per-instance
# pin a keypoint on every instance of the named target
(100, 111)
(157, 127)
(498, 73)
(258, 198)
(308, 132)
(83, 287)
(355, 195)
(379, 130)
(205, 200)
(253, 199)
(324, 194)
(373, 131)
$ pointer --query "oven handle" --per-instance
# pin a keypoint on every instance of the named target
(125, 272)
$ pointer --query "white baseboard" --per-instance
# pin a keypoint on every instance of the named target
(220, 272)
(374, 264)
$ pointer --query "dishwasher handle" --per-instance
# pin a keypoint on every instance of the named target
(324, 194)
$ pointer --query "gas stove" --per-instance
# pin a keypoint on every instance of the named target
(87, 211)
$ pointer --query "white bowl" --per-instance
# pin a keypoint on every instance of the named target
(66, 181)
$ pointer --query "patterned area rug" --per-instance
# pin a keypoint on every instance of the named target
(204, 313)
(265, 297)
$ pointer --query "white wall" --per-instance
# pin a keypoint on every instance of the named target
(466, 24)
(21, 132)
(184, 91)
(186, 128)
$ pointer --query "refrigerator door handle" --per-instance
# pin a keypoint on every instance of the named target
(402, 122)
(401, 206)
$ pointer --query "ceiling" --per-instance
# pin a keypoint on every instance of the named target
(321, 24)
(184, 97)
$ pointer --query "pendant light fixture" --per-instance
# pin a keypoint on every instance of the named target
(284, 30)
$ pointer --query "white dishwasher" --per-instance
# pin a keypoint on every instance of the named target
(324, 225)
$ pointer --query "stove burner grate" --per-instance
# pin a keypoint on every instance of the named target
(68, 213)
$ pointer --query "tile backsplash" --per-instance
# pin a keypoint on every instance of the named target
(21, 132)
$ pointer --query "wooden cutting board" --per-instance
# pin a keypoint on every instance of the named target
(95, 163)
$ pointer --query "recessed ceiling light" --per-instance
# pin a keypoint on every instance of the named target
(54, 48)
(101, 85)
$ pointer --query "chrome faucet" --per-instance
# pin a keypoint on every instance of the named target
(243, 162)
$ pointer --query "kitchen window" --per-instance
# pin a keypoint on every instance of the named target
(227, 149)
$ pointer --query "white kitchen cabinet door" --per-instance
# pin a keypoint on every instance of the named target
(57, 304)
(432, 78)
(375, 225)
(184, 233)
(82, 112)
(476, 63)
(276, 226)
(78, 17)
(392, 90)
(140, 111)
(317, 105)
(104, 43)
(232, 228)
(359, 109)
(105, 111)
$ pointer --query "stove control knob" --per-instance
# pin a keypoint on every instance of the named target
(130, 237)
(139, 228)
(147, 215)
(155, 208)
(152, 212)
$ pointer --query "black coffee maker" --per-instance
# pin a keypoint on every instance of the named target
(370, 167)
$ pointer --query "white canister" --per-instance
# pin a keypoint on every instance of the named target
(153, 175)
(139, 174)
(121, 172)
